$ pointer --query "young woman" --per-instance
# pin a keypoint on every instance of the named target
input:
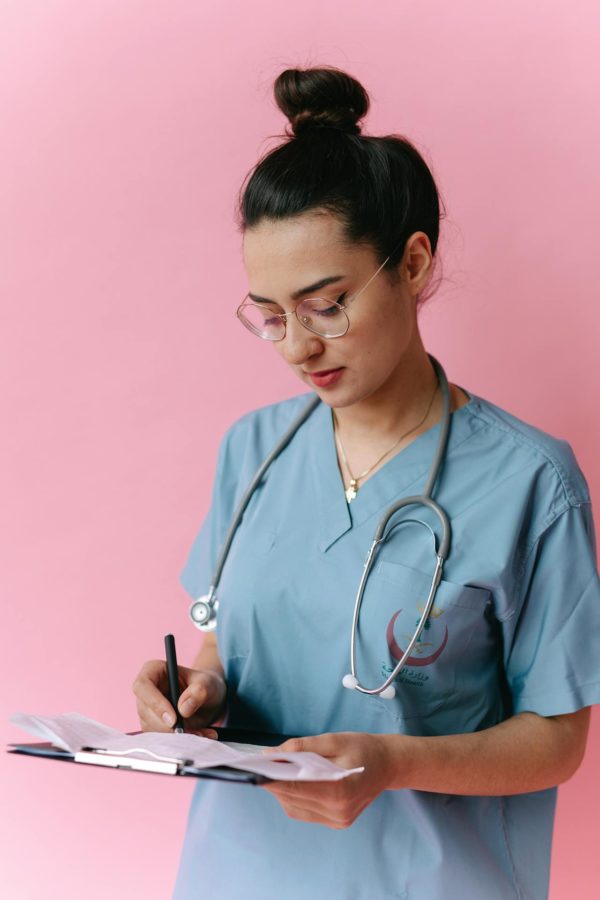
(488, 712)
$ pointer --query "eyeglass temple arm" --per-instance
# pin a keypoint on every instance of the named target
(365, 286)
(285, 316)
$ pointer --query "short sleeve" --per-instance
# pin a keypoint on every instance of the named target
(552, 649)
(197, 572)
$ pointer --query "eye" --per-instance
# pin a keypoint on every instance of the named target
(329, 311)
(269, 313)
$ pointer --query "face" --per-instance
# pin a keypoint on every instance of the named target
(377, 351)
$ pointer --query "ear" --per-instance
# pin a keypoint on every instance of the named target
(417, 260)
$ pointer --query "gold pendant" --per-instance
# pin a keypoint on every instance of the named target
(351, 491)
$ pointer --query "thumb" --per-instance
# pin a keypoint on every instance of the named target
(196, 694)
(323, 744)
(293, 745)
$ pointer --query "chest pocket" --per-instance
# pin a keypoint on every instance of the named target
(455, 635)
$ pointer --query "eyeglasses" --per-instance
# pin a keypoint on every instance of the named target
(326, 318)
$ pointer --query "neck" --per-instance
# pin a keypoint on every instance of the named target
(395, 406)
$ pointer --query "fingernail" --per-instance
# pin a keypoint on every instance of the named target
(188, 707)
(168, 718)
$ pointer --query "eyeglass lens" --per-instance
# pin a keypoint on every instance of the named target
(324, 317)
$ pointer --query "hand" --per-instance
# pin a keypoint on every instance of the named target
(202, 699)
(335, 803)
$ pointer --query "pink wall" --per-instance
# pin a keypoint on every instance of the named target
(127, 129)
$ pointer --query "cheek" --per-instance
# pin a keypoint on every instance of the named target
(385, 314)
(383, 338)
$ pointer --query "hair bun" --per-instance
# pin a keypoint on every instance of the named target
(320, 98)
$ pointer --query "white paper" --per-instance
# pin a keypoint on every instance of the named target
(73, 732)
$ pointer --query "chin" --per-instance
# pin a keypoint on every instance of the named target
(339, 400)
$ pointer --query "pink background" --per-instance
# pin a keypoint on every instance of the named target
(127, 130)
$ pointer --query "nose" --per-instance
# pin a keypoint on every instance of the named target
(299, 344)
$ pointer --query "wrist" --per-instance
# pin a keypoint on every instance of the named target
(398, 760)
(222, 710)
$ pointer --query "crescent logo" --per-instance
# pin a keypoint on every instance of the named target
(397, 651)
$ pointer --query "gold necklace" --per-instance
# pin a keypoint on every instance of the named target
(353, 487)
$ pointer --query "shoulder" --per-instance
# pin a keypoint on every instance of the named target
(548, 461)
(256, 432)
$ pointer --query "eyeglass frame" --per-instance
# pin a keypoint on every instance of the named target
(285, 316)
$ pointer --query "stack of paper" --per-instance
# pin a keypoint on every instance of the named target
(74, 732)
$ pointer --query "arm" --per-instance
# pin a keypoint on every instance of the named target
(208, 656)
(522, 754)
(525, 753)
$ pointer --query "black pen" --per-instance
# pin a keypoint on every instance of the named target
(173, 676)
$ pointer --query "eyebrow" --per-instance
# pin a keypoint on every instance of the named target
(332, 279)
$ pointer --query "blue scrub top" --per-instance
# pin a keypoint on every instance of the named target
(515, 627)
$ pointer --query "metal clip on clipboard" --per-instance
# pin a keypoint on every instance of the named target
(116, 759)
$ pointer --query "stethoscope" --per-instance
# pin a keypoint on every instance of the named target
(203, 611)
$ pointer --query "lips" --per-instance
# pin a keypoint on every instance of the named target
(327, 377)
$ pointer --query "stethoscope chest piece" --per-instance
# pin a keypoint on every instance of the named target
(203, 612)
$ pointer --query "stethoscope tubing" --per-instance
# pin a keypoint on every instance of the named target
(352, 680)
(203, 611)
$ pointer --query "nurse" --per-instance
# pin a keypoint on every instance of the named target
(491, 711)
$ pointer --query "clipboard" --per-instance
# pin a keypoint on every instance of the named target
(162, 765)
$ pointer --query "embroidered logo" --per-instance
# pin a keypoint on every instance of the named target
(421, 655)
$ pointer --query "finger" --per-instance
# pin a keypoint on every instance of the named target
(196, 694)
(323, 744)
(322, 817)
(153, 722)
(297, 788)
(148, 725)
(314, 794)
(150, 697)
(153, 671)
(293, 745)
(305, 814)
(163, 720)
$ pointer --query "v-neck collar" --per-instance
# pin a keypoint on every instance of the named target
(407, 469)
(334, 518)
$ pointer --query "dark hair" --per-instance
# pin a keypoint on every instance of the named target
(380, 187)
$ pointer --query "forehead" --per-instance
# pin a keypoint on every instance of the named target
(312, 241)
